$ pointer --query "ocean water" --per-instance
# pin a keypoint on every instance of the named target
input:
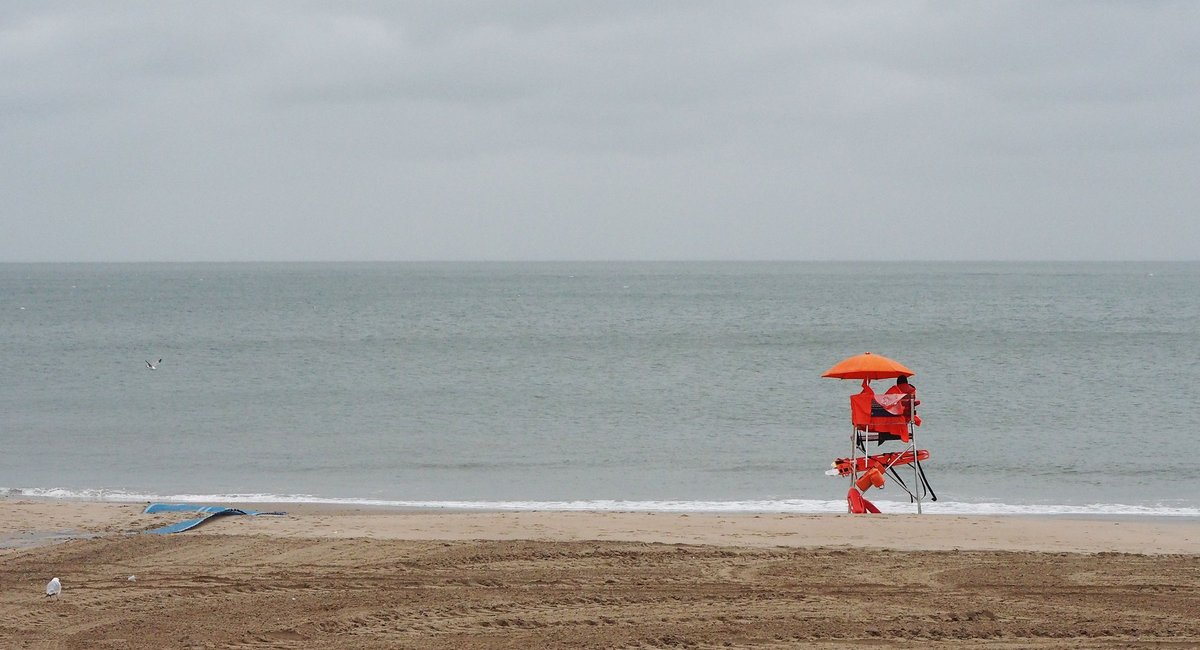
(1048, 387)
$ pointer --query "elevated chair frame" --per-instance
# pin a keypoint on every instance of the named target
(881, 418)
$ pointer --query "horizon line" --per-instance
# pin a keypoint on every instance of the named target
(627, 261)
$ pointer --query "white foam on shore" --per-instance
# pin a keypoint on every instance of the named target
(765, 506)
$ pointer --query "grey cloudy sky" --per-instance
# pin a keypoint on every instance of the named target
(447, 130)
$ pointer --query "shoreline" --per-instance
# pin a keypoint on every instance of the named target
(692, 506)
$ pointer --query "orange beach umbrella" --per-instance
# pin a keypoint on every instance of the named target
(868, 366)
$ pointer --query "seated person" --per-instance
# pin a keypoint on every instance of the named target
(902, 386)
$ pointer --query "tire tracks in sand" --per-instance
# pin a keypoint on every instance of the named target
(244, 591)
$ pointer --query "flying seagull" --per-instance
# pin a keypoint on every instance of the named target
(153, 366)
(53, 588)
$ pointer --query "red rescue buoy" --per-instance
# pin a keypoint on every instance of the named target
(859, 505)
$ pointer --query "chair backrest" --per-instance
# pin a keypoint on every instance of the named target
(886, 413)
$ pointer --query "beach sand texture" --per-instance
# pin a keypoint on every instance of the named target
(330, 578)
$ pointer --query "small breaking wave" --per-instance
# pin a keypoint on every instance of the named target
(753, 506)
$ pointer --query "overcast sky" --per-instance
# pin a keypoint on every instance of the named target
(600, 130)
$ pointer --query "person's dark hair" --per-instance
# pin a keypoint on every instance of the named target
(901, 380)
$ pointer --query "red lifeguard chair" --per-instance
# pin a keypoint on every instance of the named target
(880, 418)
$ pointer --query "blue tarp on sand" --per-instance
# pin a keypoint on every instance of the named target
(208, 512)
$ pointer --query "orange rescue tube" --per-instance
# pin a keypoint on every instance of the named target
(844, 466)
(873, 476)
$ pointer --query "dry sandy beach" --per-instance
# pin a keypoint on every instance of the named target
(364, 578)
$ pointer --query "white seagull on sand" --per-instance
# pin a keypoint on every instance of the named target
(153, 366)
(53, 588)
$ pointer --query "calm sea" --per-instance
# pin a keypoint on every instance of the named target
(1055, 387)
